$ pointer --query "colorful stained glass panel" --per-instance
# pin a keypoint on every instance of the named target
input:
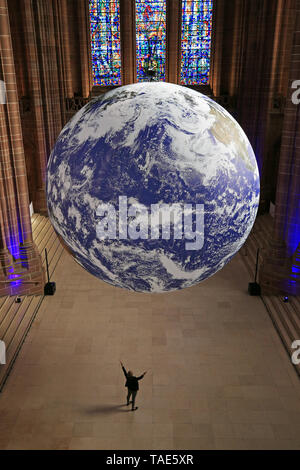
(196, 41)
(105, 41)
(150, 20)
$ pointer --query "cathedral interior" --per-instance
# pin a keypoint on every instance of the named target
(223, 365)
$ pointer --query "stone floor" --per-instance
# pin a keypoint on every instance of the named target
(219, 377)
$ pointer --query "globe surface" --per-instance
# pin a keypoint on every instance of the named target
(153, 143)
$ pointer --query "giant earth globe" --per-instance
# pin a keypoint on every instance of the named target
(153, 187)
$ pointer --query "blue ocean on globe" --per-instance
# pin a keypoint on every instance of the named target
(154, 145)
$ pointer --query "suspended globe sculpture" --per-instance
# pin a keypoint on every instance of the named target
(153, 187)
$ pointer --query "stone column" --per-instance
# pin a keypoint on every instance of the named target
(37, 106)
(280, 272)
(253, 104)
(6, 259)
(128, 52)
(173, 49)
(16, 236)
(65, 44)
(278, 92)
(49, 55)
(216, 46)
(85, 47)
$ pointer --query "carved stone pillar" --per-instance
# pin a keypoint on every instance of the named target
(65, 46)
(128, 53)
(216, 46)
(25, 273)
(37, 107)
(278, 91)
(173, 41)
(280, 272)
(49, 53)
(84, 46)
(258, 23)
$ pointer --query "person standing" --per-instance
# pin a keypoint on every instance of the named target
(132, 384)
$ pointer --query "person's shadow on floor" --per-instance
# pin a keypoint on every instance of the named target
(106, 409)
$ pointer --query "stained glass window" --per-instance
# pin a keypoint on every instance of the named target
(196, 41)
(150, 21)
(105, 41)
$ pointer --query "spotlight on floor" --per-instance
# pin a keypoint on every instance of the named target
(18, 300)
(254, 287)
(285, 298)
(50, 287)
